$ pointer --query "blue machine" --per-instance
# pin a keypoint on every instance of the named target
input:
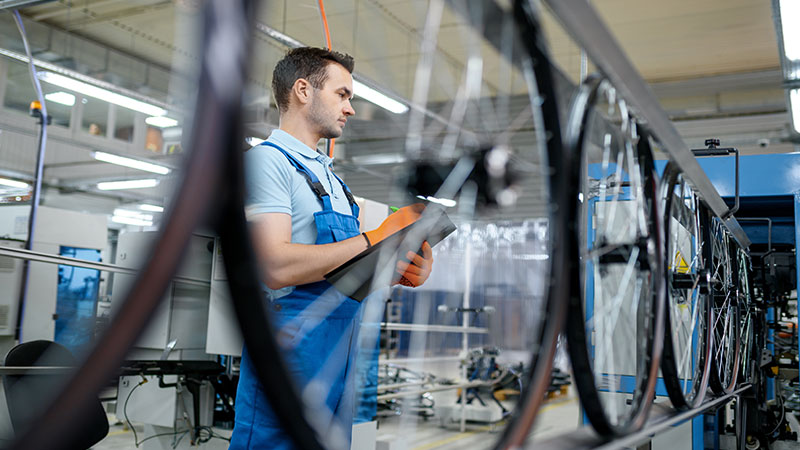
(769, 189)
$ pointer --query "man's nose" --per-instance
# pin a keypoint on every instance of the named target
(348, 109)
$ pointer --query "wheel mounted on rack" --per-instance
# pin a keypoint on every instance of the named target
(686, 359)
(751, 354)
(615, 323)
(725, 321)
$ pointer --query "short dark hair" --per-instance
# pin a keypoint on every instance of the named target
(304, 62)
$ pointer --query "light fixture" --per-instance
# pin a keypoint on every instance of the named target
(102, 94)
(446, 202)
(152, 208)
(130, 162)
(135, 214)
(371, 95)
(794, 103)
(61, 97)
(127, 184)
(131, 221)
(790, 19)
(161, 121)
(379, 159)
(14, 183)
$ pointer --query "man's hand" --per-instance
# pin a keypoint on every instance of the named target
(396, 221)
(415, 273)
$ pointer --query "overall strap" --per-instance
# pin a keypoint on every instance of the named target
(311, 179)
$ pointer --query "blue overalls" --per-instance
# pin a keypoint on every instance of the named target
(317, 327)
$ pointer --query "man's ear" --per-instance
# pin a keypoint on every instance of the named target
(302, 91)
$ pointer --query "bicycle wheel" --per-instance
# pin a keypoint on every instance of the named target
(750, 354)
(480, 134)
(616, 320)
(687, 344)
(725, 316)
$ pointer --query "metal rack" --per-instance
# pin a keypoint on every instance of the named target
(662, 418)
(583, 23)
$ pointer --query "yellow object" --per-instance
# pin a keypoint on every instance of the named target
(35, 105)
(681, 266)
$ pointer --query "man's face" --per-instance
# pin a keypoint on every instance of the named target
(330, 106)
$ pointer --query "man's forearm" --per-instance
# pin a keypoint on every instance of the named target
(289, 264)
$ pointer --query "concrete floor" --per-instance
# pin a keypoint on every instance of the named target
(557, 416)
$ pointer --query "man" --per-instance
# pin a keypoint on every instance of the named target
(304, 224)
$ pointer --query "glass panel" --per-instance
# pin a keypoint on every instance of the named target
(76, 303)
(59, 103)
(19, 94)
(123, 124)
(19, 91)
(95, 116)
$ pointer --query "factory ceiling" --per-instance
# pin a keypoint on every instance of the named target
(714, 64)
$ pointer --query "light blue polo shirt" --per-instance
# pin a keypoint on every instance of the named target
(273, 185)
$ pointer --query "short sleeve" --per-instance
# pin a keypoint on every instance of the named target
(268, 182)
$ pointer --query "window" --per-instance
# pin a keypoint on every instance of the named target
(123, 123)
(95, 116)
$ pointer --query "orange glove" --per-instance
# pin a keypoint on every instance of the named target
(415, 273)
(396, 221)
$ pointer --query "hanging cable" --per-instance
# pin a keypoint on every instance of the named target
(39, 110)
(331, 142)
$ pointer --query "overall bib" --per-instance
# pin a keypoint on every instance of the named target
(317, 328)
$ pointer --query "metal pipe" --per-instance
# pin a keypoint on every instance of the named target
(662, 417)
(29, 255)
(433, 328)
(41, 114)
(436, 389)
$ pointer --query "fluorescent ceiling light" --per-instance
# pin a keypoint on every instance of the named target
(794, 104)
(14, 183)
(161, 121)
(790, 28)
(135, 214)
(102, 94)
(149, 207)
(379, 159)
(130, 162)
(378, 98)
(252, 141)
(127, 184)
(131, 221)
(61, 97)
(441, 201)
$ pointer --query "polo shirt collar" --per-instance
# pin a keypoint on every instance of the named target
(289, 142)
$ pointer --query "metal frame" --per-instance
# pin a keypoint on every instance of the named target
(583, 23)
(662, 417)
(29, 255)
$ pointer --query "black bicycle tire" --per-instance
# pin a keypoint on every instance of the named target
(718, 386)
(748, 362)
(216, 147)
(540, 373)
(575, 329)
(669, 366)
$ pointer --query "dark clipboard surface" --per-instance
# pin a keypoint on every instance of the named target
(355, 277)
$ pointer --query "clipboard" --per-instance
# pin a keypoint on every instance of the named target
(376, 265)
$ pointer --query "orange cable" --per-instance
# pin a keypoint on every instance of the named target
(332, 142)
